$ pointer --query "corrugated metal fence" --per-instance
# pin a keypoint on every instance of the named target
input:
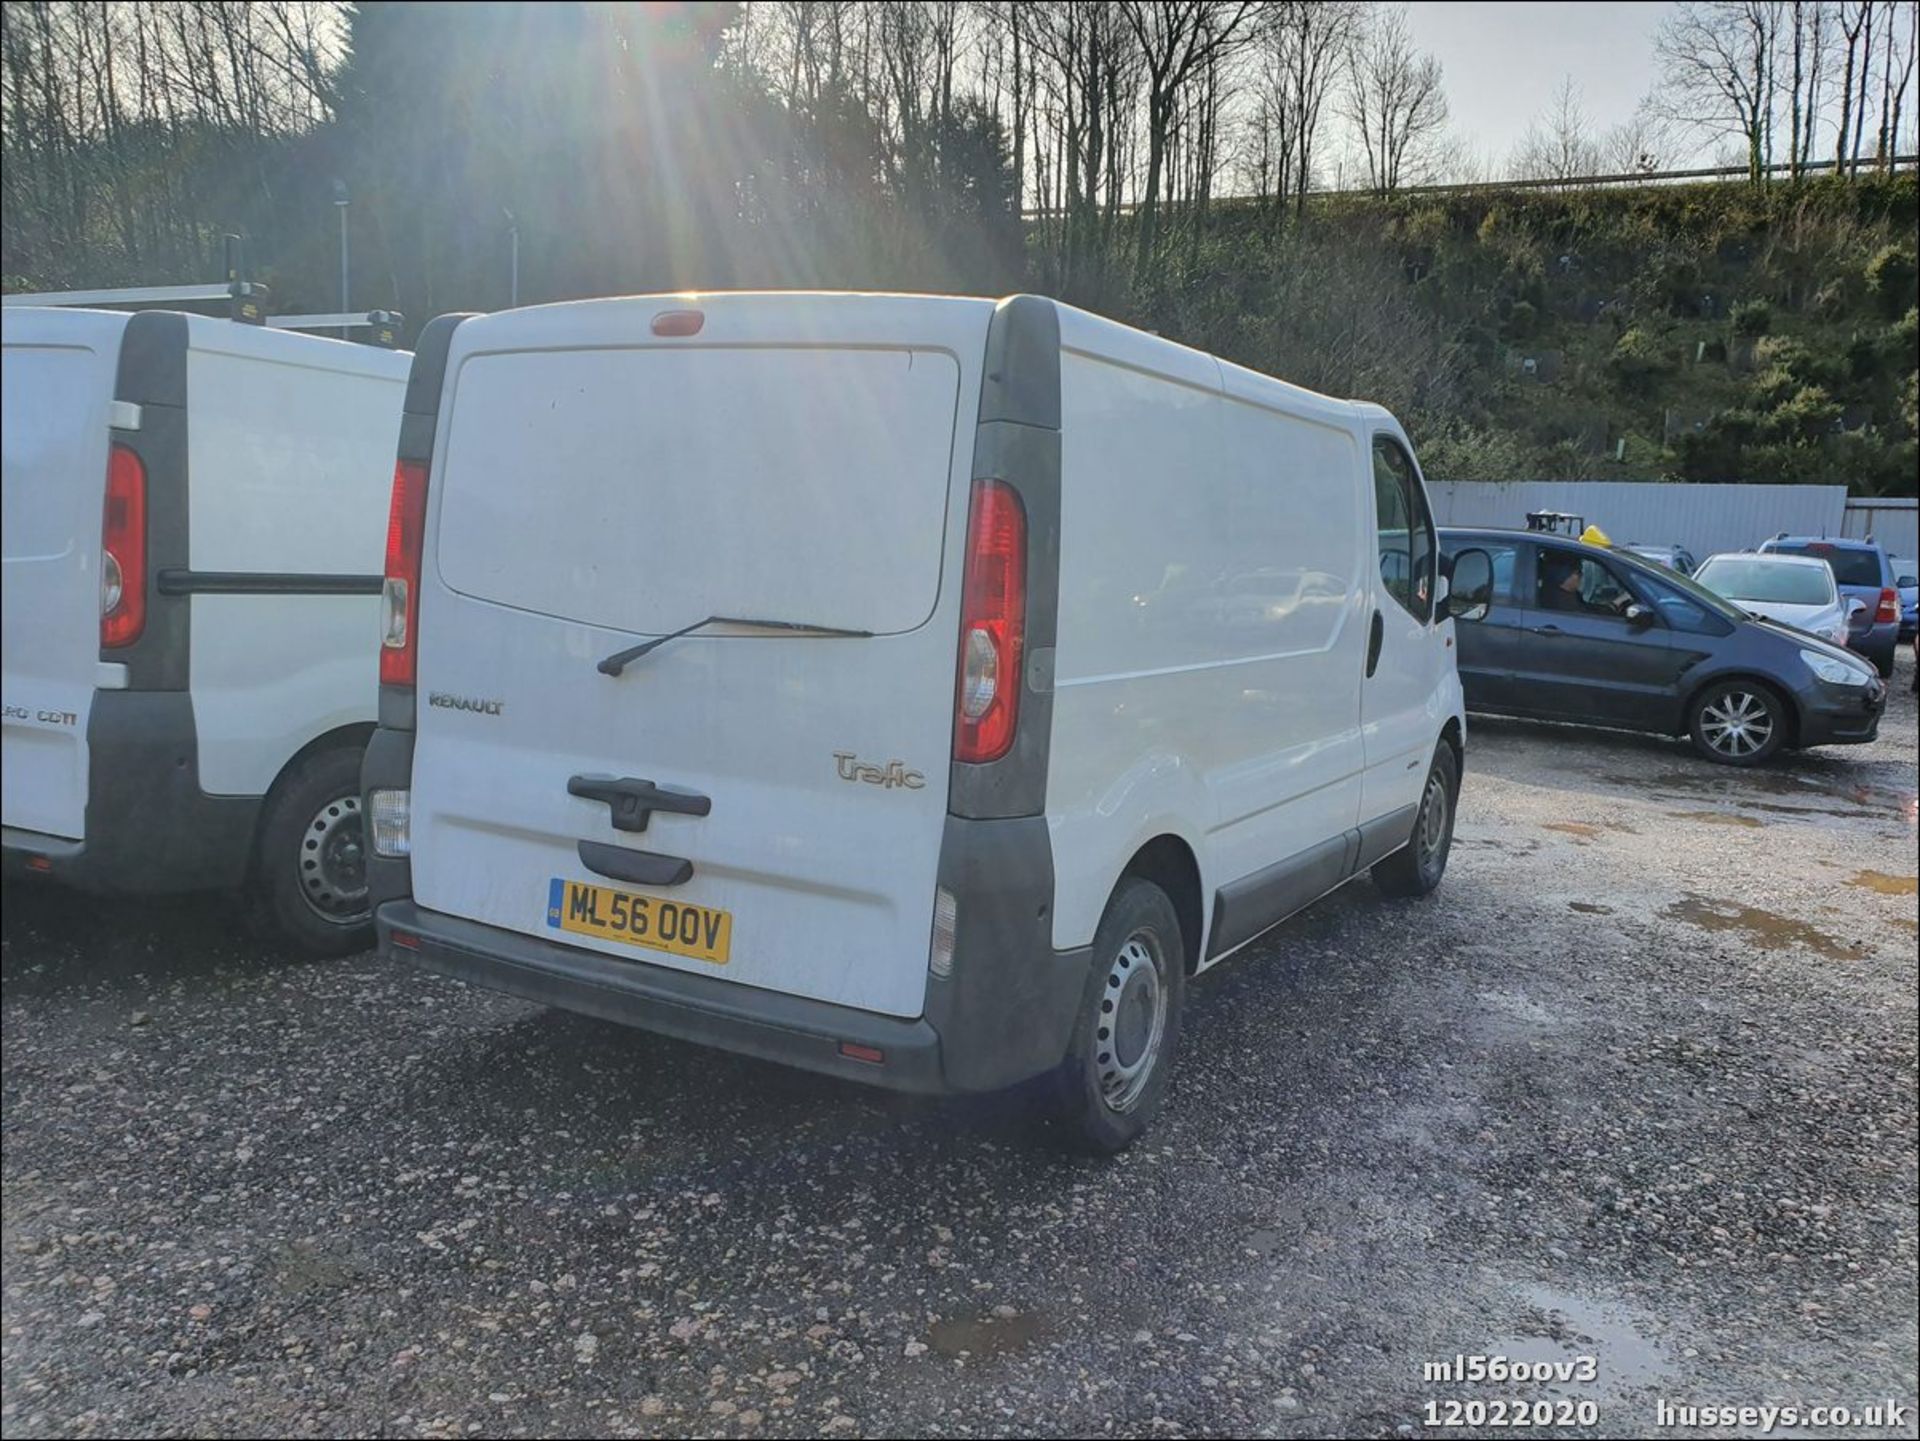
(1703, 518)
(1894, 523)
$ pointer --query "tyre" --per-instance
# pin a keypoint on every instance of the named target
(1114, 1078)
(1884, 663)
(309, 883)
(1416, 868)
(1738, 723)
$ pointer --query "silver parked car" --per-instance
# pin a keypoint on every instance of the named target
(1796, 590)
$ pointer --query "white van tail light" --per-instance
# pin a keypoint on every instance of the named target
(123, 550)
(993, 618)
(946, 928)
(390, 815)
(400, 594)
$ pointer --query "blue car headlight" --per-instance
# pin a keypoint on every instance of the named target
(1835, 671)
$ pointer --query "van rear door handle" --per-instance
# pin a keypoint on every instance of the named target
(1374, 637)
(644, 868)
(633, 802)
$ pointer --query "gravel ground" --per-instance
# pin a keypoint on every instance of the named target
(1639, 1083)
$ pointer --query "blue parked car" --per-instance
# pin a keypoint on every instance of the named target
(1906, 580)
(1863, 573)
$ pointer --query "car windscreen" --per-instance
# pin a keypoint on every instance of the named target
(1767, 582)
(1645, 576)
(1850, 566)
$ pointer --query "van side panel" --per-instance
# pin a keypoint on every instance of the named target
(291, 461)
(1211, 635)
(58, 376)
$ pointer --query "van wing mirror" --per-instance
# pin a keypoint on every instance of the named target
(1470, 590)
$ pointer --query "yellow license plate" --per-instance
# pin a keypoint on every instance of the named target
(651, 922)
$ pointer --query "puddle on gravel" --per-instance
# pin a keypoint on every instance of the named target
(1588, 908)
(1885, 884)
(1718, 818)
(1766, 929)
(1822, 796)
(1625, 1358)
(984, 1336)
(1572, 828)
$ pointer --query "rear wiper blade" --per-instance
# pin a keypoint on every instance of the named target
(621, 659)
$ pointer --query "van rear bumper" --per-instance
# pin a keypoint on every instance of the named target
(150, 829)
(1004, 1013)
(712, 1012)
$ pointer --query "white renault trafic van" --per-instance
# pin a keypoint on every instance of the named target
(193, 518)
(913, 689)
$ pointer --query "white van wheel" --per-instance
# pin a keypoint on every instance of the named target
(1114, 1077)
(1416, 868)
(309, 869)
(1131, 1022)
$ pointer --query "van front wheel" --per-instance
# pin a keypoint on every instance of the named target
(310, 871)
(1114, 1078)
(1416, 868)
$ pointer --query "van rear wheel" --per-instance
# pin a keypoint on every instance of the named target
(1416, 868)
(309, 883)
(1114, 1078)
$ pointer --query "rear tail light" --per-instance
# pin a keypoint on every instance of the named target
(400, 593)
(854, 1051)
(993, 617)
(390, 819)
(946, 927)
(1889, 607)
(123, 550)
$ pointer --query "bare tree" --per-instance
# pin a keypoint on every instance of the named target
(1558, 145)
(1395, 103)
(1896, 72)
(1301, 47)
(1853, 20)
(1178, 40)
(1638, 145)
(1717, 72)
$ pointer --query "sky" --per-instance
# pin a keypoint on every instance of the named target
(1502, 62)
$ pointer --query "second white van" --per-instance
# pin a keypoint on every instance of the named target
(918, 690)
(194, 512)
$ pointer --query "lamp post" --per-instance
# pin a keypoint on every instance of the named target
(340, 204)
(513, 262)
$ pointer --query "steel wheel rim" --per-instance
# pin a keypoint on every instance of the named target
(332, 862)
(1433, 820)
(1738, 724)
(1130, 1023)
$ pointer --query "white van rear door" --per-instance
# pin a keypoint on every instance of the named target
(58, 381)
(593, 488)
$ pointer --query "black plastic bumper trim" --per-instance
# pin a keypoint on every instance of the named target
(772, 1025)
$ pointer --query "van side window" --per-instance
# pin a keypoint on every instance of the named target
(1406, 538)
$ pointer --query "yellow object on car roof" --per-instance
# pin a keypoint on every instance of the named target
(1593, 535)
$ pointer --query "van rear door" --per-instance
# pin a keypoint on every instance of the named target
(799, 461)
(58, 379)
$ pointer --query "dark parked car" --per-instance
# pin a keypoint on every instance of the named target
(1592, 634)
(1864, 573)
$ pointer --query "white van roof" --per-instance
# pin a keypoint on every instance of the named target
(827, 316)
(31, 324)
